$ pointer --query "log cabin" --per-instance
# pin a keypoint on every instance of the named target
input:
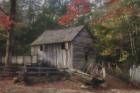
(66, 48)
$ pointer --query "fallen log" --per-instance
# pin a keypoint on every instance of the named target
(79, 75)
(87, 79)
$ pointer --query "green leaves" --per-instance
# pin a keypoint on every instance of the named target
(123, 56)
(123, 32)
(131, 2)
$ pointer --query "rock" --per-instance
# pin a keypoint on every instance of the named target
(104, 85)
(84, 86)
(16, 80)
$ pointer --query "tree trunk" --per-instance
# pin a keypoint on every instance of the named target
(9, 33)
(7, 55)
(13, 9)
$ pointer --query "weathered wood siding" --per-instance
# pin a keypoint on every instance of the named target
(55, 55)
(83, 51)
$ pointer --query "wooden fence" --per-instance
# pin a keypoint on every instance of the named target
(29, 65)
(21, 59)
(31, 70)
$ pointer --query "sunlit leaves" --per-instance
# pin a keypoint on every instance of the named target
(107, 52)
(123, 56)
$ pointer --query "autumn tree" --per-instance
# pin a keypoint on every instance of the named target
(75, 10)
(7, 24)
(118, 28)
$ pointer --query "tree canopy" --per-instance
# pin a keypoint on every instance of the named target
(115, 24)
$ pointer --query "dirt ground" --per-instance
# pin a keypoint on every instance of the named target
(66, 86)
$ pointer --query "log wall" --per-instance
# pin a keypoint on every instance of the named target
(83, 49)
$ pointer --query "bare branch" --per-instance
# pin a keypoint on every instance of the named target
(3, 35)
(1, 9)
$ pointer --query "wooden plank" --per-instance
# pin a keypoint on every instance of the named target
(64, 57)
(60, 57)
(56, 55)
(53, 54)
(71, 52)
(50, 52)
(47, 54)
(70, 56)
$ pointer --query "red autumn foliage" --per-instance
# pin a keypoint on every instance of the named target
(112, 1)
(78, 7)
(75, 8)
(5, 21)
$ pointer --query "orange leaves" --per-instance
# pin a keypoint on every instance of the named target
(66, 19)
(76, 7)
(112, 1)
(114, 13)
(5, 21)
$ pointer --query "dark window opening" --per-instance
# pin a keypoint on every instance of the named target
(41, 47)
(86, 57)
(46, 47)
(63, 46)
(87, 53)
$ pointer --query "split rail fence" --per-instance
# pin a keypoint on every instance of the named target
(28, 65)
(31, 70)
(20, 59)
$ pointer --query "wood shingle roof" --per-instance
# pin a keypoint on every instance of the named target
(58, 36)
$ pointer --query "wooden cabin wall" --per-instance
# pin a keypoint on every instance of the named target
(83, 51)
(58, 55)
